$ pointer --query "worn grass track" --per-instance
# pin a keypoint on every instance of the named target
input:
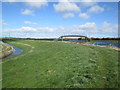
(60, 65)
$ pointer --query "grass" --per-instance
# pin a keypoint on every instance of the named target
(4, 47)
(5, 50)
(60, 65)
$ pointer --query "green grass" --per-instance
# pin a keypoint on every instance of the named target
(61, 65)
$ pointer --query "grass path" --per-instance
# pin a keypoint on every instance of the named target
(60, 65)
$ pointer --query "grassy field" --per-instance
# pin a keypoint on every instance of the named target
(60, 65)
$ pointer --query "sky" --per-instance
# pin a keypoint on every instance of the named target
(53, 19)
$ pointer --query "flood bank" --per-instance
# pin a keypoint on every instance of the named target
(111, 44)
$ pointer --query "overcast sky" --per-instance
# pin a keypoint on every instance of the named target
(53, 19)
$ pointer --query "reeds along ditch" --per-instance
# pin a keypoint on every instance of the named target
(5, 50)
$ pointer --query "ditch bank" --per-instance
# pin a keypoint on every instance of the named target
(13, 52)
(6, 50)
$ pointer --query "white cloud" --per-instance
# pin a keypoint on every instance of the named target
(106, 24)
(67, 15)
(32, 5)
(61, 0)
(82, 29)
(94, 30)
(87, 29)
(88, 4)
(88, 0)
(27, 12)
(89, 25)
(95, 9)
(78, 31)
(31, 29)
(107, 27)
(45, 29)
(10, 0)
(83, 15)
(27, 29)
(72, 7)
(23, 0)
(36, 3)
(116, 27)
(29, 22)
(64, 7)
(3, 23)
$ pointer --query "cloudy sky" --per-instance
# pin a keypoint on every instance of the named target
(53, 19)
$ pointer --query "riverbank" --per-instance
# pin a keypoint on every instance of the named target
(112, 47)
(5, 50)
(89, 44)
